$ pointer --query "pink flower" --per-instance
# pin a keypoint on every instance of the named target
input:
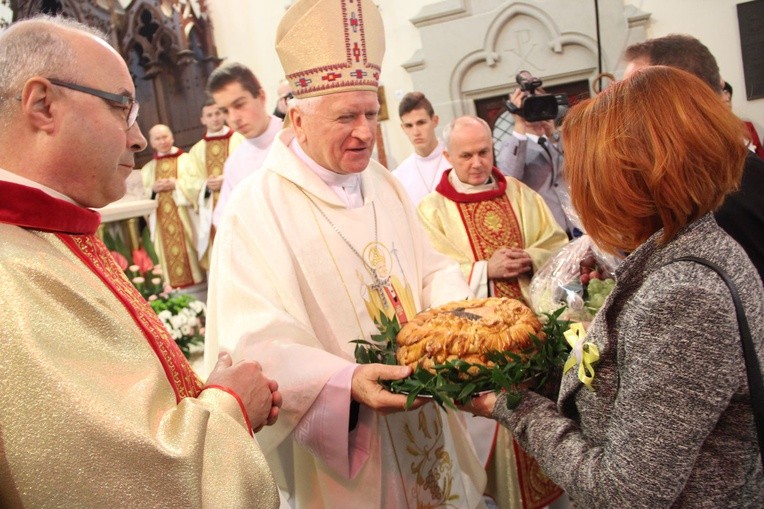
(142, 260)
(152, 298)
(121, 260)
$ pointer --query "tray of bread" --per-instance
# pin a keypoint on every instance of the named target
(464, 348)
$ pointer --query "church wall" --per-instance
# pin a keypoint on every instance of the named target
(450, 32)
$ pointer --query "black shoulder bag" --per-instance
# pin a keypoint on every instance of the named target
(752, 367)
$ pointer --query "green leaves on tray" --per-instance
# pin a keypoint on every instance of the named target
(455, 382)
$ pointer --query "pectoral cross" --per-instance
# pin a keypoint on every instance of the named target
(379, 284)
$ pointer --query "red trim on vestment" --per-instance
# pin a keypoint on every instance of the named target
(32, 208)
(536, 490)
(445, 188)
(167, 156)
(218, 136)
(96, 257)
(238, 400)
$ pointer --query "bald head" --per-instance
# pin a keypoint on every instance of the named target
(59, 125)
(161, 139)
(471, 122)
(40, 46)
(469, 149)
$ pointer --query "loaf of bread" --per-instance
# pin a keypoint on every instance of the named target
(467, 330)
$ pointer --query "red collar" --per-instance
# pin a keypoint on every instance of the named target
(219, 136)
(446, 189)
(167, 156)
(32, 208)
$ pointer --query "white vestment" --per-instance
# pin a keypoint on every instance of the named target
(287, 290)
(245, 160)
(419, 175)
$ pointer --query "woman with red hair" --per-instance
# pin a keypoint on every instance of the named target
(663, 417)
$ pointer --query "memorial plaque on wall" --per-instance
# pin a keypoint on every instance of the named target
(750, 17)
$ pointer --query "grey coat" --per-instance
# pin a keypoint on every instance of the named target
(540, 170)
(669, 423)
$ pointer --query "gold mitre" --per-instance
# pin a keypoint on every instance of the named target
(331, 46)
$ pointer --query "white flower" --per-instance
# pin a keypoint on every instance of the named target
(134, 268)
(178, 321)
(165, 315)
(196, 306)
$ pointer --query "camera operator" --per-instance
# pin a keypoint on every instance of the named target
(534, 155)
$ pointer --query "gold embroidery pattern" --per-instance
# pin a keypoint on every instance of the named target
(215, 154)
(98, 258)
(431, 464)
(171, 236)
(492, 224)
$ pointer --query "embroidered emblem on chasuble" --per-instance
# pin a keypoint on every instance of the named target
(492, 224)
(387, 294)
(429, 461)
(98, 259)
(172, 236)
(215, 154)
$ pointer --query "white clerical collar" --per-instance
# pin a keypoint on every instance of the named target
(346, 186)
(173, 150)
(221, 132)
(436, 153)
(264, 140)
(464, 188)
(7, 176)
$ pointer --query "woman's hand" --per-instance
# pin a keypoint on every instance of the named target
(481, 405)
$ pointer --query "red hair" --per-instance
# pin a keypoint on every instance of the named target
(658, 150)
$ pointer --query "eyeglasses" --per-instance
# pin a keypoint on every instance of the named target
(128, 103)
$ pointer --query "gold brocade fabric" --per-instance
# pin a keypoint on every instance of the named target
(98, 259)
(492, 224)
(216, 152)
(331, 46)
(88, 418)
(177, 267)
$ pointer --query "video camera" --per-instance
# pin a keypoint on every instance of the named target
(536, 107)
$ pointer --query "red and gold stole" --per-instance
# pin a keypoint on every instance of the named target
(173, 238)
(215, 153)
(75, 226)
(490, 222)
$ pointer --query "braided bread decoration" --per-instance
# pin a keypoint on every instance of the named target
(467, 330)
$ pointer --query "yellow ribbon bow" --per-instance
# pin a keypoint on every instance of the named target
(585, 354)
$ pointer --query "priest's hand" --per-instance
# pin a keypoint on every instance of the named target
(215, 183)
(163, 185)
(366, 389)
(259, 395)
(508, 263)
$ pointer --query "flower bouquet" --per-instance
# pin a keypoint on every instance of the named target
(182, 315)
(578, 277)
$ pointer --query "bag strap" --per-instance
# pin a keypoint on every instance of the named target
(753, 370)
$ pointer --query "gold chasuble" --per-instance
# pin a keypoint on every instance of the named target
(470, 227)
(490, 224)
(98, 406)
(215, 154)
(174, 233)
(209, 156)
